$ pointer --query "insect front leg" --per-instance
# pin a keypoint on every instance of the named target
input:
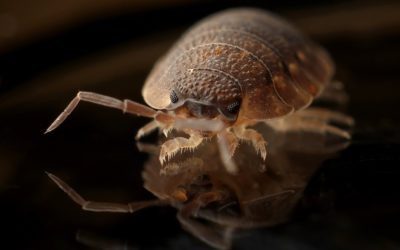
(256, 139)
(95, 206)
(172, 146)
(227, 144)
(147, 129)
(127, 106)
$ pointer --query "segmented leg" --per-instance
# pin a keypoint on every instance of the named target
(232, 141)
(149, 148)
(256, 139)
(193, 207)
(327, 116)
(314, 124)
(95, 206)
(127, 106)
(227, 144)
(217, 236)
(171, 147)
(268, 199)
(146, 129)
(334, 93)
(264, 204)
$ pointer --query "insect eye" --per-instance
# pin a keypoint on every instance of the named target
(174, 97)
(233, 108)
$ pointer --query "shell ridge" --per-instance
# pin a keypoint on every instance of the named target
(222, 72)
(231, 46)
(259, 60)
(228, 75)
(265, 43)
(279, 32)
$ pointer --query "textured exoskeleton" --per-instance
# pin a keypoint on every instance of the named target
(230, 71)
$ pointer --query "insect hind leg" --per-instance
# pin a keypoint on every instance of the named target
(315, 120)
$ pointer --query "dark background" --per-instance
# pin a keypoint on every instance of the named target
(51, 49)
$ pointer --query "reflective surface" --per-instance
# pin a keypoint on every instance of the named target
(351, 202)
(261, 194)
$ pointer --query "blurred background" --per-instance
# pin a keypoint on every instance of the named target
(49, 50)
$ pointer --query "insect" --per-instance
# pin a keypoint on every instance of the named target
(212, 204)
(230, 71)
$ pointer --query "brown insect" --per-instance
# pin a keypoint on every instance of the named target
(195, 183)
(230, 71)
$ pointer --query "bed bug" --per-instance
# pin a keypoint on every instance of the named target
(212, 205)
(228, 72)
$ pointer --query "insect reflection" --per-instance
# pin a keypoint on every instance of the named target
(212, 204)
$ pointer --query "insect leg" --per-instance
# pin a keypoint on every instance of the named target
(217, 236)
(268, 199)
(232, 141)
(314, 121)
(327, 116)
(95, 206)
(227, 144)
(126, 106)
(334, 93)
(151, 149)
(146, 129)
(171, 147)
(192, 208)
(256, 139)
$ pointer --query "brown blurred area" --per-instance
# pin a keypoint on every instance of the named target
(49, 50)
(22, 21)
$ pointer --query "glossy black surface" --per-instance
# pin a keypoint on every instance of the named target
(352, 202)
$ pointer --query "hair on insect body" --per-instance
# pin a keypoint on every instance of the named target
(230, 71)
